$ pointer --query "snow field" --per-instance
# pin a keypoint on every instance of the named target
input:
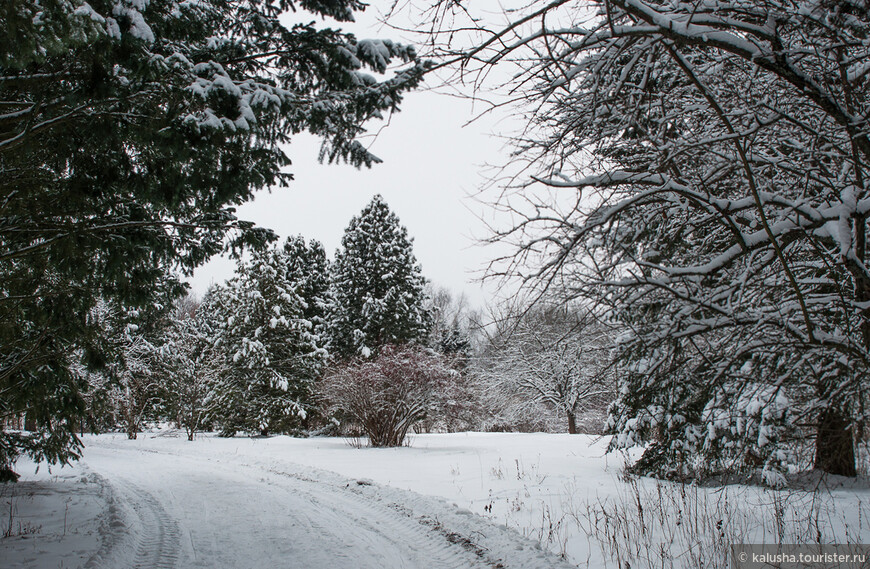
(258, 502)
(556, 489)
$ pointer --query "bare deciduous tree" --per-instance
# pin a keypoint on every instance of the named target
(699, 171)
(548, 355)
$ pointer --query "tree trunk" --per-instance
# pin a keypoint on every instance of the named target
(132, 428)
(572, 423)
(835, 451)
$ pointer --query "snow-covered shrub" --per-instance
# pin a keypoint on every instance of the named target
(387, 395)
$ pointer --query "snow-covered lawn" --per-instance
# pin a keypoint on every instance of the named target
(54, 519)
(163, 501)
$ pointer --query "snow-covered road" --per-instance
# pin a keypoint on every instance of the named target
(168, 510)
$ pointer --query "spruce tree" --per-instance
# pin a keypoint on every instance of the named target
(273, 351)
(377, 287)
(306, 266)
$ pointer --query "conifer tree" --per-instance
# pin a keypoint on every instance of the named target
(126, 388)
(377, 286)
(306, 266)
(274, 353)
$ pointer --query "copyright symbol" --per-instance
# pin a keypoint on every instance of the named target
(742, 556)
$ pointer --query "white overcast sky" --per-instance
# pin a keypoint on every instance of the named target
(433, 159)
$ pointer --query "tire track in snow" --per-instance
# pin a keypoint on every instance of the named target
(456, 537)
(339, 510)
(113, 528)
(158, 543)
(426, 547)
(137, 532)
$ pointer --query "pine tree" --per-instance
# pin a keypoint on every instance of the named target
(188, 108)
(377, 286)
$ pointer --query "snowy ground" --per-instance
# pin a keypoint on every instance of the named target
(458, 500)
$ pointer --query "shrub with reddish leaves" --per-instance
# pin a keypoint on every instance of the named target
(386, 395)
